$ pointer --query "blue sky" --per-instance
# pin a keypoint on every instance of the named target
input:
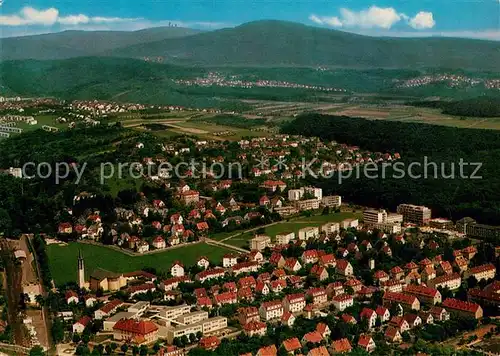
(461, 18)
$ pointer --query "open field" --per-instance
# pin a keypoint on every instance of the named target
(63, 259)
(286, 226)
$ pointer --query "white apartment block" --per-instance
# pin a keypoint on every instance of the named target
(452, 281)
(486, 272)
(332, 201)
(309, 204)
(372, 216)
(271, 310)
(205, 327)
(330, 228)
(172, 313)
(284, 238)
(343, 301)
(349, 223)
(294, 303)
(316, 192)
(390, 228)
(193, 317)
(295, 194)
(310, 232)
(260, 242)
(416, 214)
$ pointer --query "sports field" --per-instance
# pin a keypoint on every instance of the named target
(63, 259)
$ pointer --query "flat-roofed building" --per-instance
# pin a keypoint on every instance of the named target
(206, 326)
(416, 214)
(260, 242)
(193, 317)
(310, 232)
(332, 201)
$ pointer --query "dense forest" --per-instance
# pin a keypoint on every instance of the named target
(475, 107)
(443, 148)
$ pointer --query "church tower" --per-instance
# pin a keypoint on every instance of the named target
(81, 270)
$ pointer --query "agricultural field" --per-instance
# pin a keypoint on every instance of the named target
(415, 114)
(286, 226)
(63, 259)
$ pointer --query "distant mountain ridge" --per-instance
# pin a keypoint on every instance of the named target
(72, 44)
(267, 43)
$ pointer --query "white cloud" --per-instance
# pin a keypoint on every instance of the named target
(375, 17)
(372, 17)
(99, 19)
(333, 21)
(30, 16)
(74, 20)
(49, 17)
(422, 20)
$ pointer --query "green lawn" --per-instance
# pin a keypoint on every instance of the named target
(63, 259)
(293, 225)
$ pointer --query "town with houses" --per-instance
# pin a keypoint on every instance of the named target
(336, 279)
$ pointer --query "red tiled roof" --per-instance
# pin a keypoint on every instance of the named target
(342, 345)
(457, 304)
(399, 297)
(364, 340)
(313, 336)
(106, 308)
(135, 327)
(292, 344)
(421, 290)
(482, 268)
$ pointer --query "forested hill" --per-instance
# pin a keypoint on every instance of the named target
(279, 43)
(445, 146)
(72, 44)
(263, 43)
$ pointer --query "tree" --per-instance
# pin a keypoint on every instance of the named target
(40, 300)
(58, 330)
(76, 338)
(37, 351)
(5, 222)
(144, 350)
(135, 350)
(124, 348)
(108, 349)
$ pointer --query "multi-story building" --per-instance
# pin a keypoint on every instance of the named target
(308, 204)
(372, 216)
(450, 281)
(408, 302)
(260, 242)
(318, 295)
(330, 228)
(424, 294)
(204, 326)
(172, 313)
(133, 330)
(294, 303)
(271, 310)
(248, 314)
(464, 309)
(343, 301)
(295, 194)
(193, 317)
(487, 271)
(332, 201)
(416, 214)
(310, 232)
(471, 228)
(190, 197)
(213, 273)
(285, 237)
